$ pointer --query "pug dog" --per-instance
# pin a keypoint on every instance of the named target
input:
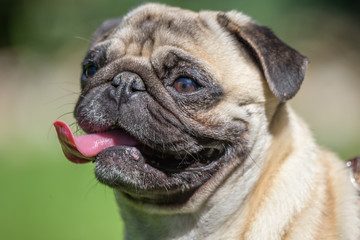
(187, 120)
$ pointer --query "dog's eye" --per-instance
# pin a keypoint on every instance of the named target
(185, 85)
(89, 70)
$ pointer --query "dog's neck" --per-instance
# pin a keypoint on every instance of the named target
(214, 218)
(209, 222)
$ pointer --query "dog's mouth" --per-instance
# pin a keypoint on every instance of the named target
(139, 171)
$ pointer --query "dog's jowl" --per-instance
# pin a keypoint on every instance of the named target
(187, 120)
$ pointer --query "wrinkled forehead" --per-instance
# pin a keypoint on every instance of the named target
(150, 18)
(143, 30)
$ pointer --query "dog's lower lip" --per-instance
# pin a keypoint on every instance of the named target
(167, 164)
(128, 171)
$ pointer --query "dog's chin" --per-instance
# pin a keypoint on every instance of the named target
(146, 175)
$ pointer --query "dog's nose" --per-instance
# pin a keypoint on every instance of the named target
(124, 85)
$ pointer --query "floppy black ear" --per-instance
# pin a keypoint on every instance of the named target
(103, 31)
(283, 67)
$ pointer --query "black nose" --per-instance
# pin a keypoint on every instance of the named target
(124, 85)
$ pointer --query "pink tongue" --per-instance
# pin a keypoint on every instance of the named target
(84, 148)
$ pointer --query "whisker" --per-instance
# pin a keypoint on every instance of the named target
(91, 186)
(62, 115)
(64, 105)
(82, 38)
(61, 97)
(49, 131)
(71, 91)
(78, 129)
(73, 124)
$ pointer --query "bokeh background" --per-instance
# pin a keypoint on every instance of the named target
(42, 42)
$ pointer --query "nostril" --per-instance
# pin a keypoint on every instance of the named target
(137, 84)
(125, 85)
(129, 81)
(116, 81)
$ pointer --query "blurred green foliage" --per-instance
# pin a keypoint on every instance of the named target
(46, 199)
(45, 25)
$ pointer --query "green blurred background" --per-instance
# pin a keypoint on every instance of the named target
(42, 42)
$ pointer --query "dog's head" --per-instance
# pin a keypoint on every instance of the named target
(190, 93)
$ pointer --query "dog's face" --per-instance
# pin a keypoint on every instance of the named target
(191, 92)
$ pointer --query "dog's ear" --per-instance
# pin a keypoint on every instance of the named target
(283, 67)
(103, 31)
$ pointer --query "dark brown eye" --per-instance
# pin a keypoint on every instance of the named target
(89, 71)
(185, 85)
